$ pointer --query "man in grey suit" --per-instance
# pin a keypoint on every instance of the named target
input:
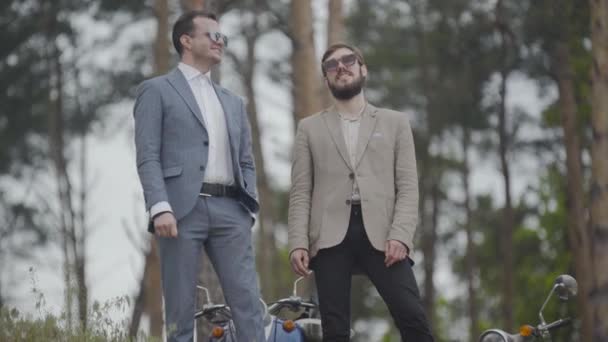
(194, 159)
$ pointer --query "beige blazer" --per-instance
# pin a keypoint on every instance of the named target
(322, 180)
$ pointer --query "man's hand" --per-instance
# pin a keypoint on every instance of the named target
(394, 251)
(299, 262)
(165, 225)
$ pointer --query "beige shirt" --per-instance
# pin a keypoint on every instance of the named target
(350, 129)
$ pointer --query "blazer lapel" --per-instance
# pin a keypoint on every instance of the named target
(368, 123)
(332, 120)
(179, 83)
(228, 115)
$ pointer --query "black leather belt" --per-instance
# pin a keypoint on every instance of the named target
(218, 190)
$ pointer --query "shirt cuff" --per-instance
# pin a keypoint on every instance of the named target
(160, 207)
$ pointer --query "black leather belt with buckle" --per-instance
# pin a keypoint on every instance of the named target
(218, 190)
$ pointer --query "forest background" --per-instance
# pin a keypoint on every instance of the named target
(509, 105)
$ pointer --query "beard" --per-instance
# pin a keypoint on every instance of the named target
(347, 91)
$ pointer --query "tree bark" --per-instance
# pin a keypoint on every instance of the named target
(335, 34)
(599, 169)
(149, 298)
(578, 233)
(305, 72)
(470, 259)
(503, 150)
(266, 256)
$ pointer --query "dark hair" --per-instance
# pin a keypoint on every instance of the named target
(185, 25)
(330, 50)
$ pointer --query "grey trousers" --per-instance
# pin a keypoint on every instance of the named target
(223, 227)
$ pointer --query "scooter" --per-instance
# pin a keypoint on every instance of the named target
(220, 317)
(292, 319)
(565, 286)
(295, 320)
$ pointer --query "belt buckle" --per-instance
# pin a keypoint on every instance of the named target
(204, 194)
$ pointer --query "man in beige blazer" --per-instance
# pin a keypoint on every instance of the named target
(354, 201)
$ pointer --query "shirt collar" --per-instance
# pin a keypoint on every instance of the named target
(356, 118)
(191, 72)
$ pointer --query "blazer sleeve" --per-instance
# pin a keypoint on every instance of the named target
(405, 217)
(246, 159)
(300, 195)
(148, 115)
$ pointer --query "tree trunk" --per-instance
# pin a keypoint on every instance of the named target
(149, 298)
(266, 256)
(189, 5)
(430, 185)
(305, 72)
(503, 136)
(470, 260)
(509, 222)
(599, 169)
(578, 234)
(428, 248)
(335, 34)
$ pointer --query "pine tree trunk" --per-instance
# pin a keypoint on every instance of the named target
(335, 34)
(599, 169)
(148, 302)
(266, 251)
(575, 202)
(470, 260)
(508, 227)
(305, 73)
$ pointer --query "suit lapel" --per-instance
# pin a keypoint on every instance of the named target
(228, 115)
(368, 123)
(179, 83)
(332, 120)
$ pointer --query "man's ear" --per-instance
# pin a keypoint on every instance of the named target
(364, 70)
(186, 41)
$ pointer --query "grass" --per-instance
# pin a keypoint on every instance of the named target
(45, 326)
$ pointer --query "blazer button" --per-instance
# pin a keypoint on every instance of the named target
(351, 175)
(202, 168)
(206, 143)
(347, 202)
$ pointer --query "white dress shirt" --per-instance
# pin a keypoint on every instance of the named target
(219, 168)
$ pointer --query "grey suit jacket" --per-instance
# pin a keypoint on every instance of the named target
(322, 180)
(171, 143)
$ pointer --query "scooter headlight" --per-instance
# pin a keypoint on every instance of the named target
(494, 335)
(217, 332)
(289, 325)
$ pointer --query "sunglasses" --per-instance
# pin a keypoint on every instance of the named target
(217, 37)
(332, 65)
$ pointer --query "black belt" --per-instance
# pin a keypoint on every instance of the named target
(219, 190)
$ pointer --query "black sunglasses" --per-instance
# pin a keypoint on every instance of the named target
(217, 37)
(331, 65)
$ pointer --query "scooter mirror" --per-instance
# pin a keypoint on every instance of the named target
(566, 287)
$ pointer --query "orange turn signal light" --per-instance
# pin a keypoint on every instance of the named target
(217, 332)
(526, 330)
(289, 325)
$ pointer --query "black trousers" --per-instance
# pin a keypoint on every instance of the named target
(396, 285)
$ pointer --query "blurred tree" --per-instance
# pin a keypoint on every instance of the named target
(255, 22)
(306, 83)
(148, 300)
(335, 34)
(554, 35)
(599, 174)
(508, 59)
